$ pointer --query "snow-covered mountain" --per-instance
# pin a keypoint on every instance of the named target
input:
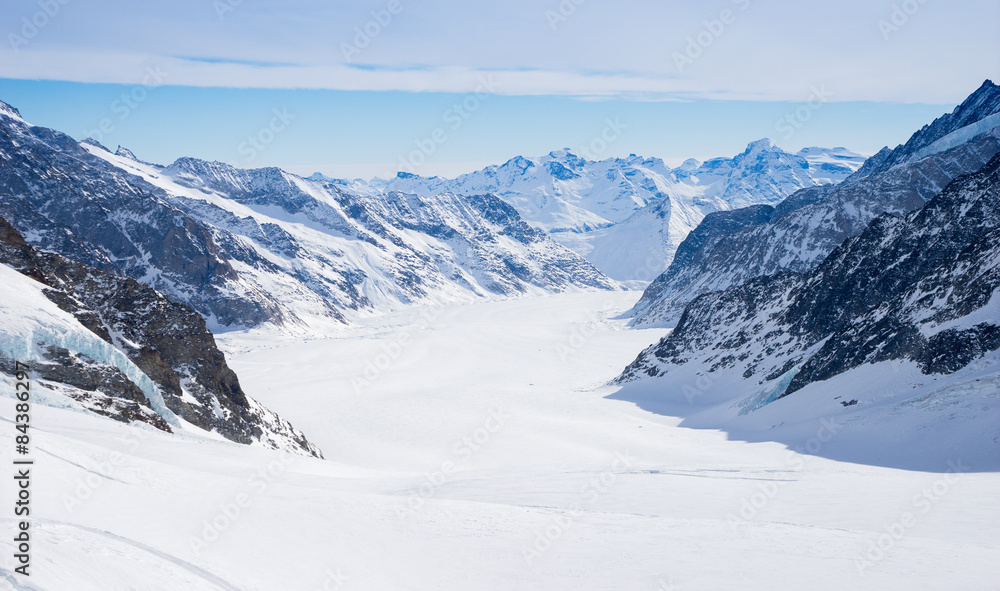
(734, 247)
(978, 114)
(246, 247)
(115, 347)
(628, 215)
(916, 295)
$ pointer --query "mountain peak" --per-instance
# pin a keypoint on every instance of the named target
(761, 145)
(10, 111)
(519, 160)
(403, 175)
(979, 108)
(985, 100)
(690, 165)
(125, 153)
(92, 142)
(565, 153)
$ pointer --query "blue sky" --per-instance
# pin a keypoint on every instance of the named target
(476, 83)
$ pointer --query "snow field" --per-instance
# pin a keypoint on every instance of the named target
(485, 454)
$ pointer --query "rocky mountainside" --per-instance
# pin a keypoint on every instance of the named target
(248, 247)
(801, 231)
(563, 192)
(976, 115)
(920, 289)
(121, 349)
(628, 215)
(420, 247)
(65, 200)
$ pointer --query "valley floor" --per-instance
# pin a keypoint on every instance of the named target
(474, 448)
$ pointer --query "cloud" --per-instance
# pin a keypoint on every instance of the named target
(636, 50)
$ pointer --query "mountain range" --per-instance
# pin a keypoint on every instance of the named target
(627, 216)
(118, 348)
(730, 248)
(783, 273)
(251, 247)
(875, 302)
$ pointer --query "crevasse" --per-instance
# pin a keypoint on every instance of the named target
(25, 348)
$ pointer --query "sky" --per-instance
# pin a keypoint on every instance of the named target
(366, 88)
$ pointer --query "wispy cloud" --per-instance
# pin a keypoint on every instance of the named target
(742, 49)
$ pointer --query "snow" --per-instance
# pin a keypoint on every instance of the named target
(990, 124)
(29, 319)
(486, 433)
(628, 215)
(9, 111)
(360, 270)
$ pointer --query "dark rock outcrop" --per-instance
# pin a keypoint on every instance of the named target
(811, 223)
(167, 340)
(915, 288)
(66, 200)
(982, 103)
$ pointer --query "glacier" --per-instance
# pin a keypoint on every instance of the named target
(29, 320)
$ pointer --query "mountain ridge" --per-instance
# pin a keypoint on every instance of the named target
(591, 206)
(808, 225)
(180, 375)
(298, 255)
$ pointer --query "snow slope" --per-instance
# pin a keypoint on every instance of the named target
(251, 247)
(486, 456)
(31, 322)
(902, 319)
(799, 236)
(313, 247)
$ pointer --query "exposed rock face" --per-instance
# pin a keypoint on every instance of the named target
(478, 242)
(980, 106)
(805, 228)
(713, 229)
(168, 341)
(627, 216)
(100, 388)
(921, 287)
(249, 247)
(65, 200)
